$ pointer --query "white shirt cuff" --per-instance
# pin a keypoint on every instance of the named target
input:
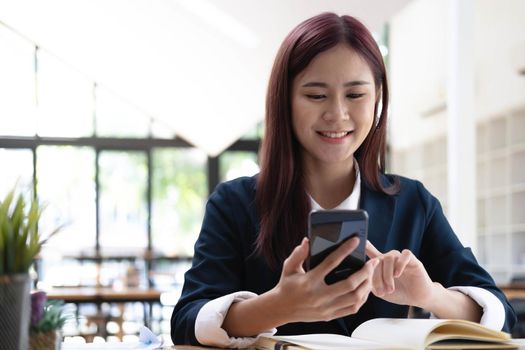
(208, 324)
(493, 311)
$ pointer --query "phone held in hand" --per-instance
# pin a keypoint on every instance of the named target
(327, 230)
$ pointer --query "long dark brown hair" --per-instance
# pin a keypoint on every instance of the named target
(281, 198)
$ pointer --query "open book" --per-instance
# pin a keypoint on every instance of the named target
(391, 333)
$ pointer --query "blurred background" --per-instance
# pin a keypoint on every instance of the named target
(123, 115)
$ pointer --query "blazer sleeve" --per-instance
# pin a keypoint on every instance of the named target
(216, 268)
(450, 263)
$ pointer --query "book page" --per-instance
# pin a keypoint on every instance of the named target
(325, 342)
(454, 345)
(417, 333)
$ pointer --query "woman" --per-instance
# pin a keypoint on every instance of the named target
(326, 115)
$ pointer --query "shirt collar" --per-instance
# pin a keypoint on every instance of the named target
(352, 201)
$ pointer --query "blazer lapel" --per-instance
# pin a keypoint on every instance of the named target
(380, 208)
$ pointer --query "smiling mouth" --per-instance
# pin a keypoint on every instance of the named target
(334, 135)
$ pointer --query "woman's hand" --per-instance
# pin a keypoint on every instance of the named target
(400, 278)
(305, 297)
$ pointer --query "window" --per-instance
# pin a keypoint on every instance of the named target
(17, 168)
(66, 186)
(123, 202)
(233, 164)
(256, 133)
(179, 195)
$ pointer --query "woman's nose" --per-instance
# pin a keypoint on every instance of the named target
(336, 110)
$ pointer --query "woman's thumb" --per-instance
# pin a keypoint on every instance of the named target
(294, 262)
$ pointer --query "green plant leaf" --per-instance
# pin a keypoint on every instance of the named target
(34, 244)
(53, 317)
(32, 251)
(20, 240)
(3, 239)
(4, 206)
(17, 218)
(9, 242)
(18, 213)
(33, 216)
(5, 235)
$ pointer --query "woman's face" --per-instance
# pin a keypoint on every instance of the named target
(333, 106)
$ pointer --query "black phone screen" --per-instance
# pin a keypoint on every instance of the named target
(327, 230)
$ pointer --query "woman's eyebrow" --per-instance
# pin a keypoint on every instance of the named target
(324, 85)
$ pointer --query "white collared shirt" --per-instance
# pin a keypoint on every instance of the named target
(208, 324)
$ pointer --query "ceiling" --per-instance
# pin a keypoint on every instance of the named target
(201, 66)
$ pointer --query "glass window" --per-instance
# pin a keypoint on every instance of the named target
(179, 195)
(17, 169)
(17, 85)
(66, 185)
(381, 37)
(234, 164)
(256, 133)
(118, 118)
(65, 99)
(123, 203)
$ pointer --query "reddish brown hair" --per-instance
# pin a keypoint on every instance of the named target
(281, 199)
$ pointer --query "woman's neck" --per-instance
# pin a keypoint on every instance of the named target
(329, 184)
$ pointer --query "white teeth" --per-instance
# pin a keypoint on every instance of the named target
(334, 135)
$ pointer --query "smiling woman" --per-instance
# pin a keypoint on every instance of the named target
(324, 147)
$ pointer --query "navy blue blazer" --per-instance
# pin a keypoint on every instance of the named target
(412, 219)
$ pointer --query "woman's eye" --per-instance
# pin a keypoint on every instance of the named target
(354, 95)
(316, 97)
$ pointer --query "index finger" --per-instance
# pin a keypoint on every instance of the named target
(372, 251)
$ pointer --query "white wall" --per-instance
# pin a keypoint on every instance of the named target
(418, 57)
(500, 53)
(489, 217)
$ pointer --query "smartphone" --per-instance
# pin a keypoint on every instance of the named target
(327, 230)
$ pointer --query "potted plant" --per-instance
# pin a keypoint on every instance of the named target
(47, 320)
(20, 242)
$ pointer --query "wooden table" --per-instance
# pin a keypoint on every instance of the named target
(513, 290)
(119, 255)
(99, 295)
